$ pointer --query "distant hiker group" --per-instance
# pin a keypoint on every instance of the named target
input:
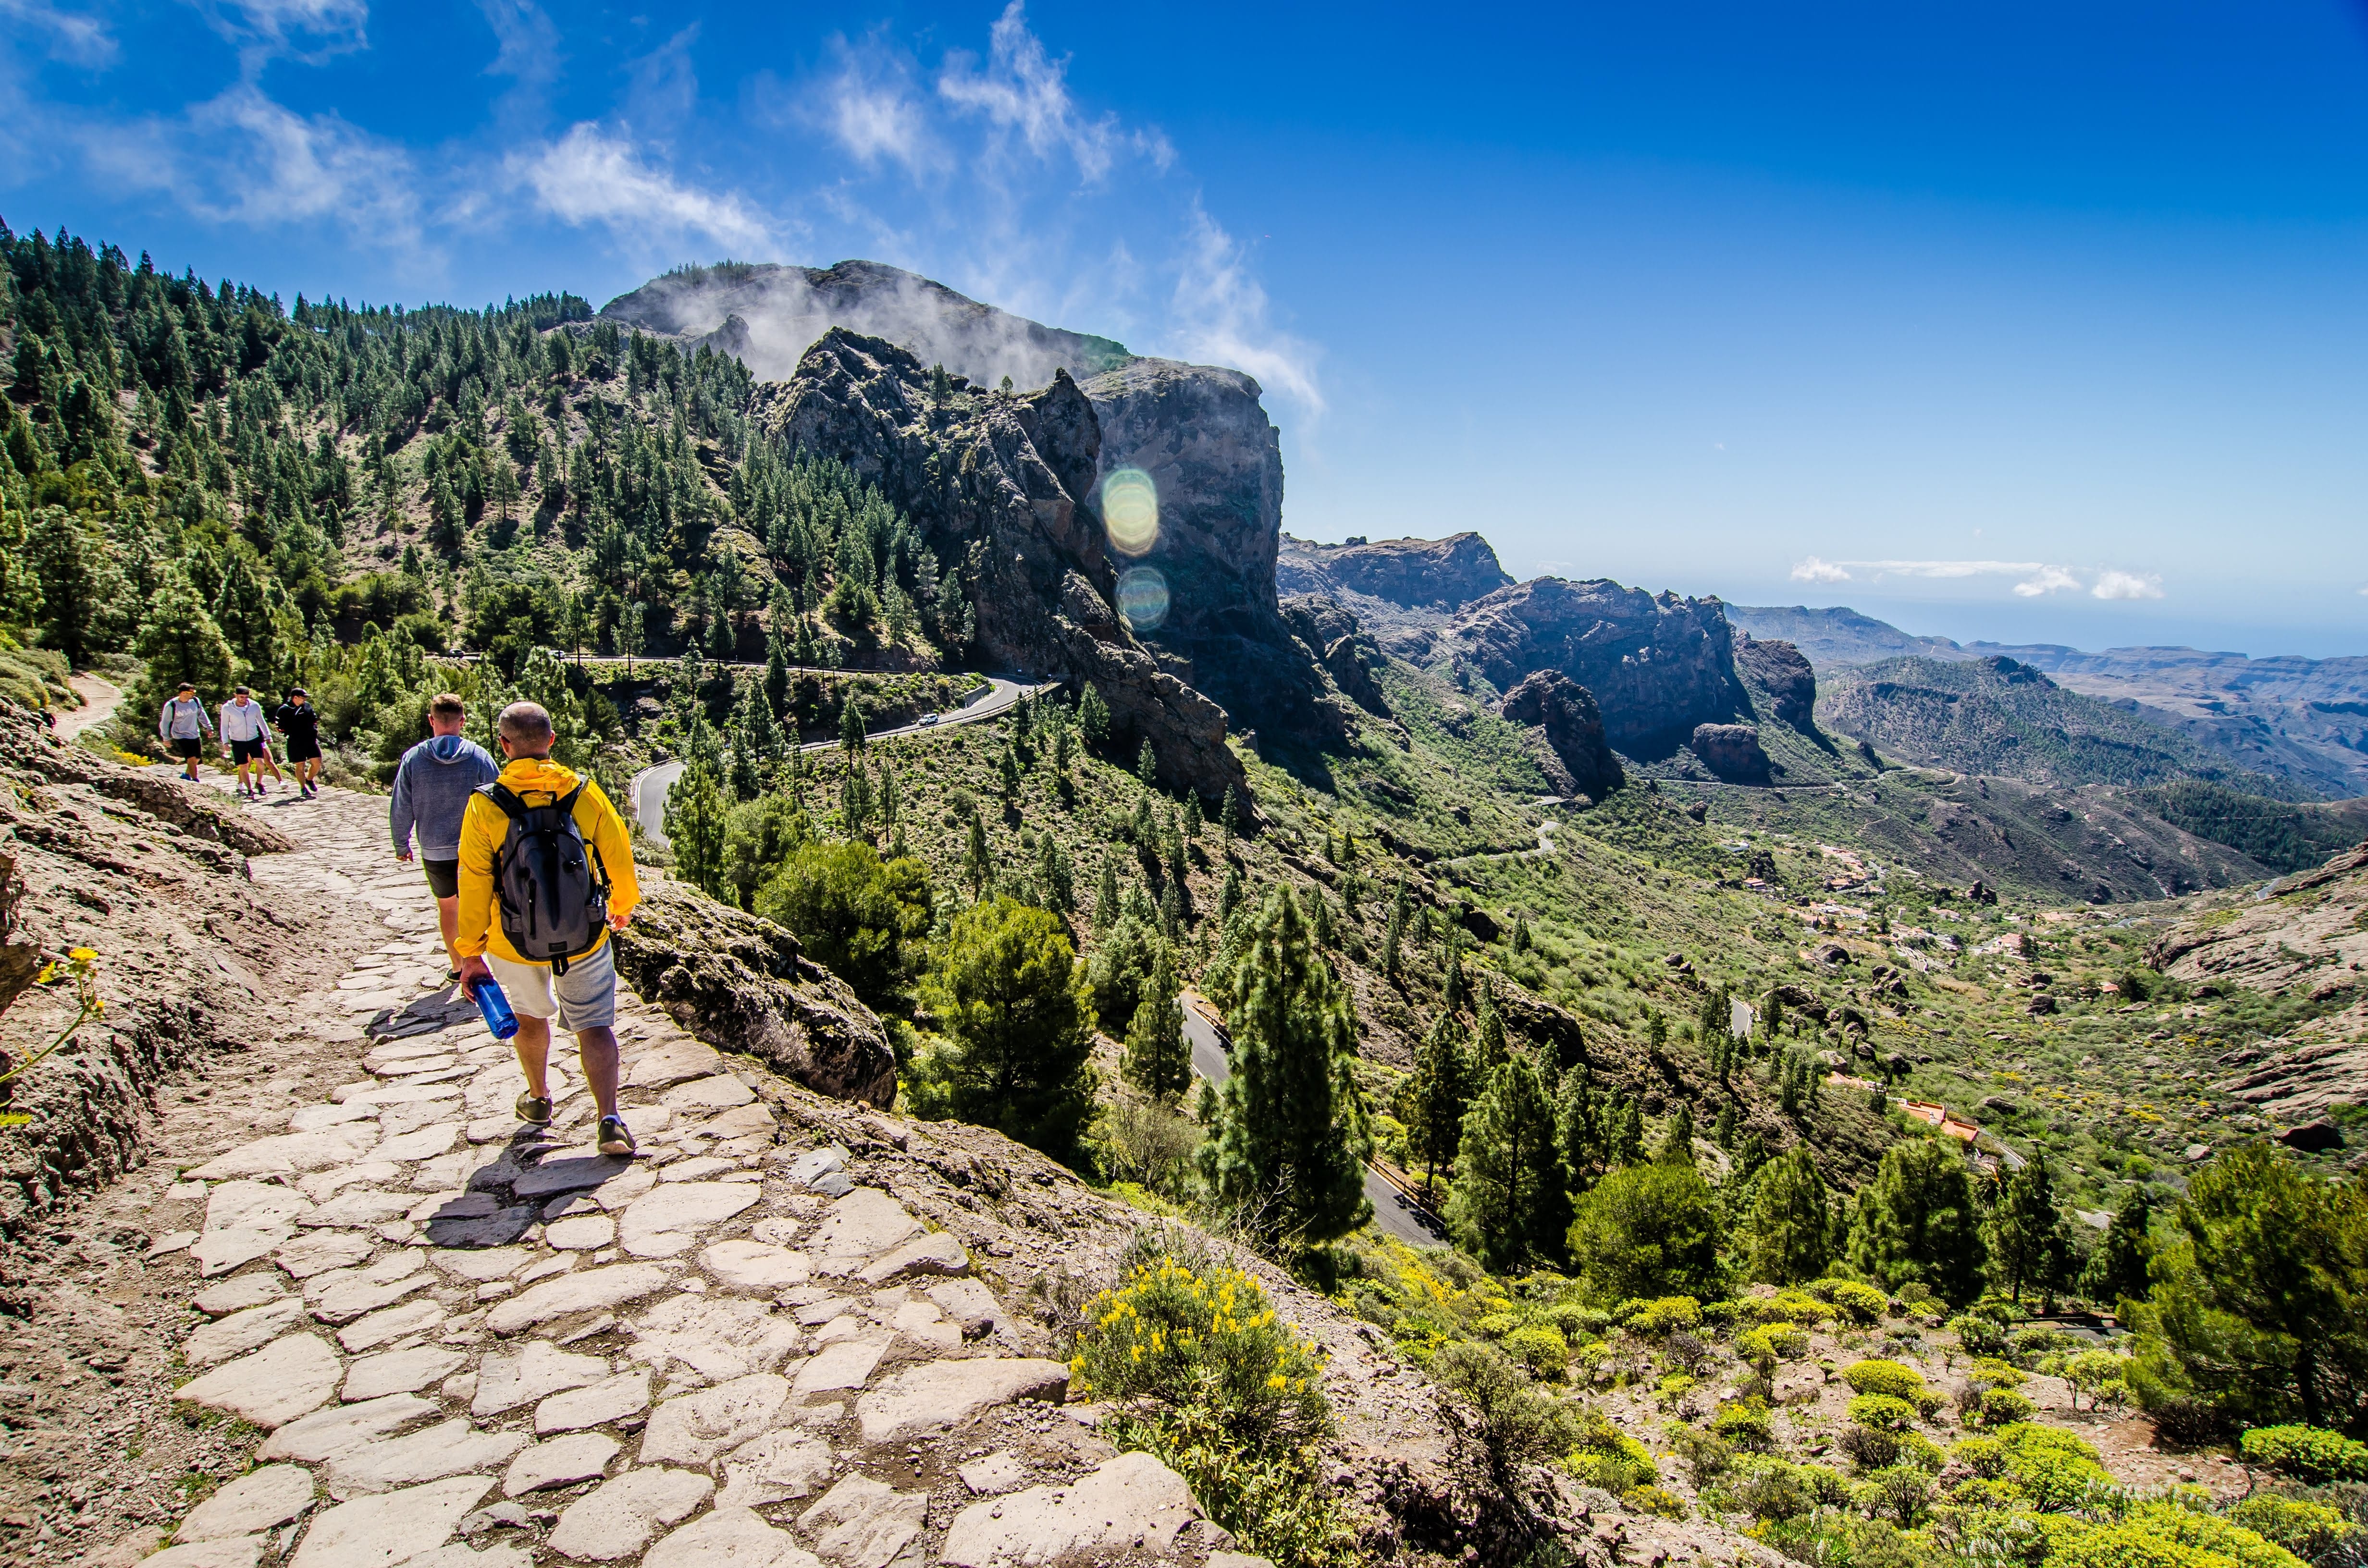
(246, 732)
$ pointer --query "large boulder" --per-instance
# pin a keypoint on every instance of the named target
(1565, 714)
(739, 982)
(1732, 752)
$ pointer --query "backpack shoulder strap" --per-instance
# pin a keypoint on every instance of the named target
(499, 794)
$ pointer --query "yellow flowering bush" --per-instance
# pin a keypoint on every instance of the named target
(78, 969)
(1175, 1335)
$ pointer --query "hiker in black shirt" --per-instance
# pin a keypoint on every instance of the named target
(298, 721)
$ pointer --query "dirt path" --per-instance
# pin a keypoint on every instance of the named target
(360, 1315)
(99, 703)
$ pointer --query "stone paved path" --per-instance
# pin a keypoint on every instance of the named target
(458, 1341)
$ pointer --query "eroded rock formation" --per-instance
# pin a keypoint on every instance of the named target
(1439, 574)
(1572, 726)
(1780, 670)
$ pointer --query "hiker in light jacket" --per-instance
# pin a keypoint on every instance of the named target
(183, 725)
(431, 793)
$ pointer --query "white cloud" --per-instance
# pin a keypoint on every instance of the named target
(1221, 313)
(1812, 570)
(243, 158)
(2046, 580)
(530, 41)
(2115, 584)
(309, 31)
(74, 38)
(1023, 89)
(871, 108)
(595, 174)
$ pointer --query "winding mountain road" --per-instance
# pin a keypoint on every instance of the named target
(651, 784)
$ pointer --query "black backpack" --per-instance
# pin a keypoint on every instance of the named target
(554, 890)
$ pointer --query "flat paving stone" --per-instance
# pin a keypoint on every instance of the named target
(322, 1186)
(391, 1527)
(863, 1523)
(317, 1251)
(255, 1501)
(672, 1061)
(313, 1118)
(231, 1551)
(285, 1153)
(289, 1377)
(619, 1517)
(584, 1232)
(939, 1394)
(241, 1332)
(846, 1364)
(774, 1467)
(939, 1254)
(719, 1338)
(998, 1471)
(432, 1453)
(729, 1537)
(719, 1092)
(358, 1207)
(584, 1290)
(496, 1228)
(388, 1324)
(493, 1263)
(1129, 1505)
(755, 1266)
(329, 1433)
(220, 1252)
(695, 1428)
(857, 1228)
(569, 1173)
(400, 1372)
(537, 1371)
(668, 1219)
(249, 1289)
(597, 1404)
(344, 1294)
(562, 1461)
(253, 1204)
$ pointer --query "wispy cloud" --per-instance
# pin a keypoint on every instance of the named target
(2033, 579)
(75, 37)
(1024, 92)
(1221, 311)
(600, 175)
(306, 30)
(873, 108)
(530, 43)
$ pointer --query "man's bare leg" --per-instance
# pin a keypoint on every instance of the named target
(532, 1043)
(596, 1048)
(447, 920)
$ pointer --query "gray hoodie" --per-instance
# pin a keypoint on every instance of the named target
(431, 792)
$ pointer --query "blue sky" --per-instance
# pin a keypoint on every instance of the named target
(2020, 322)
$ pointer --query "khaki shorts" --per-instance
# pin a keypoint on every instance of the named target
(583, 998)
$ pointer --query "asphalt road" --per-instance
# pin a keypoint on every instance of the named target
(651, 784)
(1396, 1213)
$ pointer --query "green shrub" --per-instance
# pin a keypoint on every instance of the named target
(1747, 1424)
(2207, 1532)
(1770, 1343)
(1540, 1349)
(1789, 1306)
(1994, 1408)
(1605, 1456)
(2076, 1544)
(1885, 1413)
(2308, 1454)
(1900, 1491)
(1878, 1376)
(2309, 1530)
(1774, 1490)
(2050, 1467)
(1650, 1320)
(1862, 1304)
(1655, 1501)
(1978, 1336)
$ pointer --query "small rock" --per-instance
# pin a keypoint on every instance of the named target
(580, 1456)
(582, 1232)
(2313, 1137)
(255, 1501)
(845, 1364)
(168, 1244)
(998, 1471)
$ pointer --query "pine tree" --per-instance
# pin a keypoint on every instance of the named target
(1192, 815)
(1094, 718)
(1229, 816)
(1723, 1129)
(1488, 1032)
(1007, 995)
(1508, 1203)
(1395, 934)
(1146, 766)
(1787, 1228)
(630, 641)
(1437, 1096)
(1627, 1140)
(777, 676)
(2031, 1243)
(1230, 896)
(181, 643)
(1451, 989)
(1917, 1222)
(1577, 1136)
(1106, 893)
(1678, 1138)
(2117, 1269)
(1290, 1141)
(978, 861)
(1157, 1060)
(851, 727)
(695, 823)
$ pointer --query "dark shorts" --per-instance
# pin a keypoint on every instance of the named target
(443, 877)
(245, 751)
(188, 750)
(303, 750)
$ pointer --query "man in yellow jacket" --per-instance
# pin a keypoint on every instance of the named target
(584, 998)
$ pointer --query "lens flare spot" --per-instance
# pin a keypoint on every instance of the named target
(1142, 597)
(1131, 512)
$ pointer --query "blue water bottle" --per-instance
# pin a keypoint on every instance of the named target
(493, 1007)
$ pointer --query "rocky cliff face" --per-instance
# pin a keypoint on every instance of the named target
(1572, 726)
(1007, 473)
(1657, 665)
(1435, 574)
(1780, 670)
(1204, 438)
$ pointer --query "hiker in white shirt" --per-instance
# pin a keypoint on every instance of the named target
(245, 732)
(181, 726)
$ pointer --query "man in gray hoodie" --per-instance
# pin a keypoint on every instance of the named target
(431, 794)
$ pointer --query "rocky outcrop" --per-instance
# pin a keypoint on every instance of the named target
(739, 982)
(1215, 462)
(1002, 481)
(2280, 943)
(1732, 752)
(1658, 665)
(1780, 670)
(1572, 729)
(1348, 655)
(765, 316)
(1437, 574)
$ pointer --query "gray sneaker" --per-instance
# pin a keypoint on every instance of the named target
(616, 1138)
(534, 1108)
